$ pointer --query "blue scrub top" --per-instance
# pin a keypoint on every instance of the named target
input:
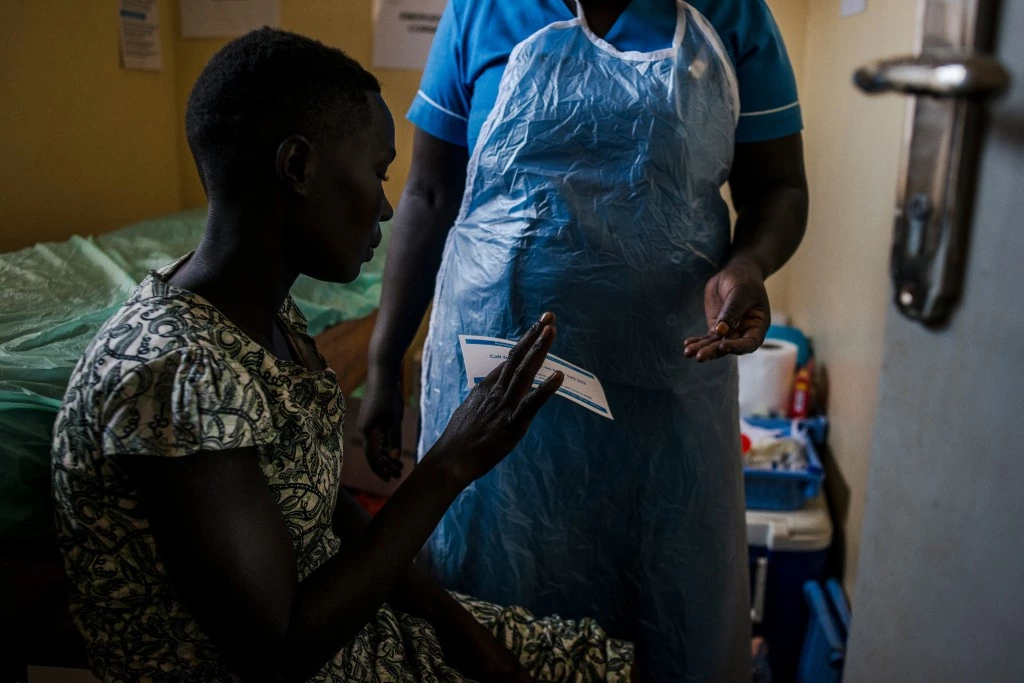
(476, 37)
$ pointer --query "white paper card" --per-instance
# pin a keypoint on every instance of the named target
(403, 31)
(140, 35)
(227, 18)
(851, 7)
(483, 354)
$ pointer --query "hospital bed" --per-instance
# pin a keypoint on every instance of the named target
(55, 298)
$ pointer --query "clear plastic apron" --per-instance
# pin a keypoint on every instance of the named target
(594, 192)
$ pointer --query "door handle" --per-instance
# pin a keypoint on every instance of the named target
(950, 77)
(939, 74)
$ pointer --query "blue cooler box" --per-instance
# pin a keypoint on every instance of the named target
(786, 550)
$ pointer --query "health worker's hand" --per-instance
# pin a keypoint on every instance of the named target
(737, 310)
(380, 422)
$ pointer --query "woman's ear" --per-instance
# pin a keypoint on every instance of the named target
(296, 163)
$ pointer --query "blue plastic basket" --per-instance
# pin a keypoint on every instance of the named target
(816, 427)
(824, 650)
(783, 490)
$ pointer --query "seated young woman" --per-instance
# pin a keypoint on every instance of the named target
(196, 458)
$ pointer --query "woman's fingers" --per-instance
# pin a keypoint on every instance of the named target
(534, 400)
(522, 348)
(494, 374)
(523, 376)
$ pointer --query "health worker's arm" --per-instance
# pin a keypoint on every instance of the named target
(768, 185)
(425, 214)
(769, 192)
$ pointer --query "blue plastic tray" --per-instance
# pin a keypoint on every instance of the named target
(783, 490)
(816, 427)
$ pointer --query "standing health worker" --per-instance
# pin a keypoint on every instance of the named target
(571, 159)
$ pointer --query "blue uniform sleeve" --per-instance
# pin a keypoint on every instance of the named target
(441, 106)
(769, 107)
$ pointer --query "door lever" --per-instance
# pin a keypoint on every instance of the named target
(939, 74)
(949, 79)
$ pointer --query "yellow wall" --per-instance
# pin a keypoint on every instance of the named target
(349, 25)
(838, 284)
(88, 146)
(91, 147)
(346, 24)
(791, 17)
(94, 147)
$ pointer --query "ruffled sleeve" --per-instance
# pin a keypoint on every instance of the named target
(185, 401)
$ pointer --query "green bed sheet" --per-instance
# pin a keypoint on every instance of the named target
(57, 295)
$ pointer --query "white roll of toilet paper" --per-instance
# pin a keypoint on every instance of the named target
(766, 379)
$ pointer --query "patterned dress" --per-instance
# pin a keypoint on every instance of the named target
(170, 376)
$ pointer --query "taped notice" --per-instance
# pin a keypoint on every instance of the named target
(140, 35)
(403, 32)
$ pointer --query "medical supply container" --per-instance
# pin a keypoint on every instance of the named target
(786, 550)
